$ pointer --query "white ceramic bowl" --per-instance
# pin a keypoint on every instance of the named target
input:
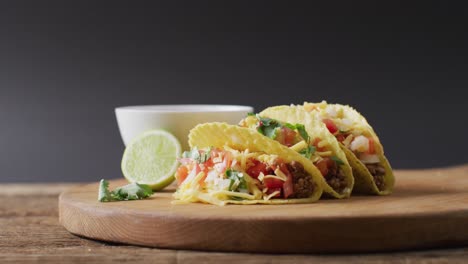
(177, 119)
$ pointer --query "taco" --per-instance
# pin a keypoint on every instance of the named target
(371, 169)
(307, 135)
(231, 164)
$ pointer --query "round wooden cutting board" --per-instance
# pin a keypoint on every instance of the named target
(429, 208)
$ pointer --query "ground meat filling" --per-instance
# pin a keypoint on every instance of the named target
(378, 172)
(336, 178)
(302, 181)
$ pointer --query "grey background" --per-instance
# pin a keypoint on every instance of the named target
(65, 66)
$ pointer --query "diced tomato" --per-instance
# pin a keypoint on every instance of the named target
(323, 165)
(288, 188)
(340, 137)
(273, 183)
(209, 163)
(286, 136)
(184, 170)
(181, 174)
(215, 152)
(227, 159)
(371, 149)
(255, 170)
(330, 125)
(290, 136)
(272, 190)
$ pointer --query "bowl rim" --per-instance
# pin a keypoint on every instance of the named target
(185, 108)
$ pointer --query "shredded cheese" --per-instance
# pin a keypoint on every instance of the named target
(233, 151)
(271, 195)
(191, 177)
(199, 177)
(324, 153)
(234, 163)
(210, 199)
(235, 184)
(236, 194)
(322, 143)
(252, 155)
(299, 146)
(280, 175)
(316, 158)
(348, 140)
(244, 159)
(268, 159)
(273, 177)
(255, 191)
(261, 176)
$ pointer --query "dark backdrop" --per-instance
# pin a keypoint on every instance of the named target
(65, 66)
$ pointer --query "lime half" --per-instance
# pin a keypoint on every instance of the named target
(151, 158)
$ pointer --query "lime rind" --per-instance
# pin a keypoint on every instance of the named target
(151, 158)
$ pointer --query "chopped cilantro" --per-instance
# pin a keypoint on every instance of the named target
(192, 154)
(301, 129)
(204, 156)
(251, 114)
(290, 126)
(132, 191)
(268, 127)
(234, 175)
(307, 152)
(271, 132)
(197, 155)
(104, 194)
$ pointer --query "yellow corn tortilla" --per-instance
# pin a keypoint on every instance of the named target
(315, 129)
(220, 135)
(364, 181)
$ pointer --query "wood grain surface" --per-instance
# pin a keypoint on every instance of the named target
(30, 233)
(428, 209)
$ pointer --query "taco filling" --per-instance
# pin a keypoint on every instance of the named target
(295, 137)
(215, 175)
(358, 141)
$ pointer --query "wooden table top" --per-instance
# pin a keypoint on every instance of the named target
(30, 231)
